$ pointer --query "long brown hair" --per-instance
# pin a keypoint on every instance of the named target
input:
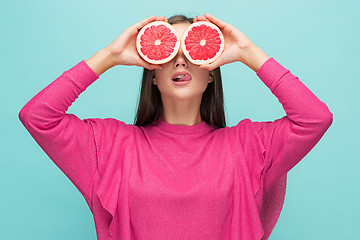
(150, 104)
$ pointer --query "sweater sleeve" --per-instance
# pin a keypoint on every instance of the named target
(287, 140)
(66, 139)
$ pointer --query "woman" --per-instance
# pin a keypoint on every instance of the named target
(179, 172)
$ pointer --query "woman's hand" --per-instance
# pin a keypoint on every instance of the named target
(238, 47)
(123, 48)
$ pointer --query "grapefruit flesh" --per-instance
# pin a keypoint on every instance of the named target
(202, 42)
(158, 42)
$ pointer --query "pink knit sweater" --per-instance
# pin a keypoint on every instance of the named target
(170, 182)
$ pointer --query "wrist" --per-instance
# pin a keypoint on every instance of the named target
(101, 61)
(254, 57)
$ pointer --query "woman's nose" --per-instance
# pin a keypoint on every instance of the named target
(180, 60)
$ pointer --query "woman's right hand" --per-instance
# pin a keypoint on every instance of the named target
(123, 48)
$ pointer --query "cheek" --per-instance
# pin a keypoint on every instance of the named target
(161, 74)
(204, 76)
(202, 82)
(162, 81)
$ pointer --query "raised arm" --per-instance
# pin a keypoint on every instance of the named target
(66, 139)
(287, 140)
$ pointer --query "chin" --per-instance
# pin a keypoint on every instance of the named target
(183, 96)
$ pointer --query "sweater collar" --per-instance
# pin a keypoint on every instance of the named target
(168, 127)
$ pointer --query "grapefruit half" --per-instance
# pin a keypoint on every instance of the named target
(158, 42)
(202, 42)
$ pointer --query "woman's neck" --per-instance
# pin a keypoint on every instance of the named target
(186, 113)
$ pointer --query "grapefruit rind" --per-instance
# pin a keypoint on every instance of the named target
(139, 42)
(201, 42)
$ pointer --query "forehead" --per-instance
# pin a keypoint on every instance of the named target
(180, 27)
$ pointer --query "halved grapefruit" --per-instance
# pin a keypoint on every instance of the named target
(158, 42)
(202, 42)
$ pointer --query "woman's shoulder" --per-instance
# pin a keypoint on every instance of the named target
(250, 131)
(110, 127)
(246, 125)
(108, 122)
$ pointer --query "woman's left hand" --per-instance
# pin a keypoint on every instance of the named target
(238, 47)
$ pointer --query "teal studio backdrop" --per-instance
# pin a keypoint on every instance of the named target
(318, 41)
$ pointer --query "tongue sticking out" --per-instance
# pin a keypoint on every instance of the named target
(182, 78)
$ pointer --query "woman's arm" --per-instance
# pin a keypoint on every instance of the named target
(101, 61)
(66, 139)
(254, 58)
(287, 140)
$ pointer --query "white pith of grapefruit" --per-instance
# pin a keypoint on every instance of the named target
(158, 42)
(202, 42)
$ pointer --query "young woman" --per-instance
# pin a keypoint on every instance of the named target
(179, 172)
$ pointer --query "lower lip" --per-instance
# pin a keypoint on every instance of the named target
(182, 83)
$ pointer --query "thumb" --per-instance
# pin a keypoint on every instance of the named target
(211, 66)
(150, 66)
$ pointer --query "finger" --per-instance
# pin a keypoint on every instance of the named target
(208, 67)
(215, 20)
(201, 18)
(150, 66)
(142, 23)
(161, 18)
(211, 66)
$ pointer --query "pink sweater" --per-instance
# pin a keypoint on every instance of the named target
(169, 182)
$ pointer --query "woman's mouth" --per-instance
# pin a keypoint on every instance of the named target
(181, 78)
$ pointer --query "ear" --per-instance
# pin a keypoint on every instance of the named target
(211, 77)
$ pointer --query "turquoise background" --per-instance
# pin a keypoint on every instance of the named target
(318, 41)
